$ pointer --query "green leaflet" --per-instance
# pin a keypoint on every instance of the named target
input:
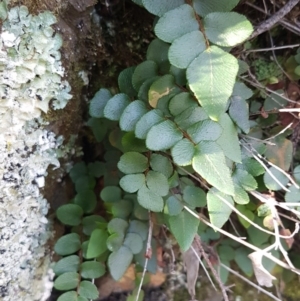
(157, 183)
(228, 140)
(248, 213)
(119, 261)
(111, 194)
(190, 116)
(184, 227)
(125, 82)
(293, 195)
(227, 29)
(204, 7)
(114, 242)
(69, 296)
(219, 212)
(211, 77)
(239, 113)
(115, 106)
(69, 214)
(97, 243)
(183, 152)
(142, 72)
(194, 196)
(117, 225)
(209, 162)
(158, 52)
(244, 179)
(132, 162)
(133, 242)
(205, 130)
(161, 164)
(138, 227)
(88, 290)
(158, 7)
(132, 183)
(173, 205)
(187, 47)
(240, 195)
(168, 30)
(86, 200)
(98, 103)
(163, 136)
(277, 174)
(131, 115)
(67, 244)
(67, 264)
(180, 102)
(147, 122)
(149, 199)
(66, 281)
(89, 223)
(163, 86)
(92, 269)
(122, 209)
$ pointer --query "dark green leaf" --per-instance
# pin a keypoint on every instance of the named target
(204, 7)
(68, 296)
(99, 127)
(96, 169)
(205, 130)
(88, 290)
(206, 79)
(278, 175)
(219, 212)
(117, 225)
(149, 199)
(114, 242)
(85, 182)
(86, 200)
(183, 152)
(186, 48)
(132, 183)
(131, 115)
(209, 162)
(293, 195)
(147, 122)
(159, 8)
(163, 136)
(243, 261)
(78, 170)
(227, 29)
(173, 205)
(181, 102)
(194, 196)
(92, 269)
(67, 264)
(239, 113)
(251, 166)
(97, 243)
(228, 140)
(119, 261)
(144, 89)
(133, 162)
(244, 179)
(122, 209)
(89, 223)
(66, 281)
(257, 237)
(184, 227)
(190, 116)
(138, 227)
(115, 106)
(111, 194)
(161, 164)
(131, 143)
(125, 82)
(133, 242)
(68, 244)
(157, 183)
(248, 213)
(168, 30)
(69, 214)
(98, 103)
(158, 52)
(142, 72)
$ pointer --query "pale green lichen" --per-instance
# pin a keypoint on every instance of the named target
(30, 80)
